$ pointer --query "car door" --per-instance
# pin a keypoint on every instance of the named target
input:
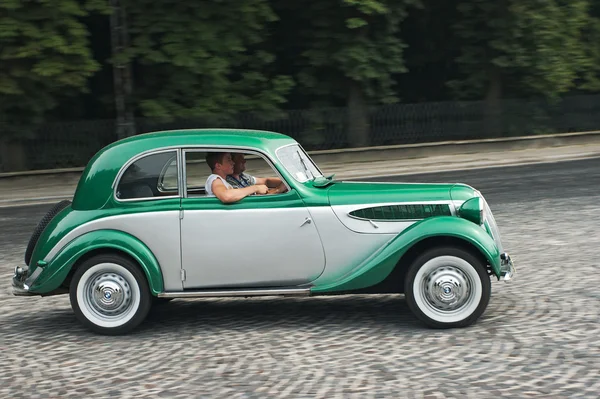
(260, 241)
(148, 202)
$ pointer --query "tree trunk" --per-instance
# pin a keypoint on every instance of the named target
(493, 104)
(358, 117)
(122, 78)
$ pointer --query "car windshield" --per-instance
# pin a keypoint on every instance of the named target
(298, 163)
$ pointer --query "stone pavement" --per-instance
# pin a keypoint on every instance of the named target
(52, 187)
(537, 339)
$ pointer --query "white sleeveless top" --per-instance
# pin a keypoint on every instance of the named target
(209, 182)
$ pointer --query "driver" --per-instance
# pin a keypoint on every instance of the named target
(221, 165)
(239, 179)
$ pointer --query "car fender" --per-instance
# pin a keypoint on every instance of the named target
(57, 270)
(378, 266)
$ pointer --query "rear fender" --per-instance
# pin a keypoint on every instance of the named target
(377, 267)
(57, 270)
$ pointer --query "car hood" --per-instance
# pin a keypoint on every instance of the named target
(345, 193)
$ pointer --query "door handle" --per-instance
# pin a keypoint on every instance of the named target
(306, 221)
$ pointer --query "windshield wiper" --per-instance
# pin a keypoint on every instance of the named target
(304, 165)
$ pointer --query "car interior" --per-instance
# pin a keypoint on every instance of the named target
(155, 175)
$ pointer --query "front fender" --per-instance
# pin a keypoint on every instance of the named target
(57, 270)
(377, 267)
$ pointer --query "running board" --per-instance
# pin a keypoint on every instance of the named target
(239, 292)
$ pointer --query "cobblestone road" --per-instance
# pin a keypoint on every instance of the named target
(540, 336)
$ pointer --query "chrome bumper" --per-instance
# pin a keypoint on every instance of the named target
(507, 268)
(21, 280)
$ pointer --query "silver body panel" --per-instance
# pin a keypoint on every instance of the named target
(159, 231)
(345, 249)
(263, 247)
(250, 248)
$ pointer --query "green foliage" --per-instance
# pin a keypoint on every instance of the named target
(203, 58)
(534, 47)
(591, 38)
(349, 40)
(44, 54)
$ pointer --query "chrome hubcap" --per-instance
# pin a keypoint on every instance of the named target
(109, 294)
(447, 288)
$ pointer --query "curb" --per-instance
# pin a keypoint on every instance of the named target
(418, 150)
(423, 150)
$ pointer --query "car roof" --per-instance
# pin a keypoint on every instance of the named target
(104, 166)
(242, 137)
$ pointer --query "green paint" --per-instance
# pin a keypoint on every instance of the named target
(376, 268)
(94, 200)
(471, 210)
(95, 186)
(461, 192)
(58, 269)
(285, 200)
(347, 193)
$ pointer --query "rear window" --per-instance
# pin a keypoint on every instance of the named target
(152, 176)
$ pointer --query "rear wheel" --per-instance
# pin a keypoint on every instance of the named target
(110, 295)
(447, 287)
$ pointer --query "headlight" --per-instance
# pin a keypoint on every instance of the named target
(473, 210)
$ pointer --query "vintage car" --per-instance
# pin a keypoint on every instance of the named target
(141, 230)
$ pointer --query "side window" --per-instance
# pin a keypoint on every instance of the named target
(248, 167)
(152, 176)
(196, 173)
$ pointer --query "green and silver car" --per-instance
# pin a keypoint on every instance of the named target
(141, 230)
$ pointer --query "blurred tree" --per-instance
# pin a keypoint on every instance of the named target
(520, 48)
(590, 78)
(44, 57)
(202, 58)
(432, 47)
(347, 50)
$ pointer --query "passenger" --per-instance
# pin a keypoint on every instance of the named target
(221, 165)
(239, 179)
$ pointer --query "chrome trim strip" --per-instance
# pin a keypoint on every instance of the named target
(158, 150)
(180, 171)
(239, 292)
(181, 149)
(183, 191)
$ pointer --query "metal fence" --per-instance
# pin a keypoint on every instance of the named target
(72, 144)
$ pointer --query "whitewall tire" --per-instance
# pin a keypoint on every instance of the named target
(447, 287)
(110, 294)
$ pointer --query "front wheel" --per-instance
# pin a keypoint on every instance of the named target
(447, 288)
(110, 295)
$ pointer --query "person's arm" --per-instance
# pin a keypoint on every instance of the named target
(228, 196)
(278, 190)
(275, 184)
